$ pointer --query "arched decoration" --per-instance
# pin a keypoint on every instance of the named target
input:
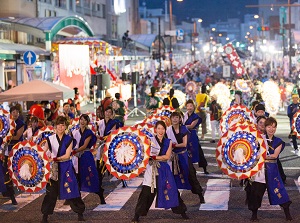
(66, 22)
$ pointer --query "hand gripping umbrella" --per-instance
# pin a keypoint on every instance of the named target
(28, 166)
(241, 152)
(126, 153)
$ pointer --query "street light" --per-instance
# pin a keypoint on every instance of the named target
(170, 27)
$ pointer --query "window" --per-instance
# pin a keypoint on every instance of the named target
(104, 11)
(61, 3)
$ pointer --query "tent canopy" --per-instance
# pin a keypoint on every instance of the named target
(37, 90)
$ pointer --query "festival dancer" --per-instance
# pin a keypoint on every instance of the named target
(268, 177)
(158, 179)
(6, 186)
(171, 100)
(83, 159)
(30, 131)
(106, 126)
(191, 120)
(17, 137)
(183, 169)
(291, 110)
(63, 183)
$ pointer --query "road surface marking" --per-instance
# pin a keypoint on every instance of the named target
(60, 207)
(216, 195)
(119, 196)
(22, 199)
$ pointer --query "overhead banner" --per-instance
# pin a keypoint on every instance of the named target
(234, 59)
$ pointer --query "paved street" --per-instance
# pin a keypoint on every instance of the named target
(224, 197)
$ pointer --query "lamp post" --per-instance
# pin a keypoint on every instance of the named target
(170, 27)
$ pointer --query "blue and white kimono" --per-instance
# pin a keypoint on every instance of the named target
(164, 182)
(276, 191)
(86, 168)
(180, 155)
(193, 140)
(68, 186)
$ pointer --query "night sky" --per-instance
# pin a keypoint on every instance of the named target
(210, 11)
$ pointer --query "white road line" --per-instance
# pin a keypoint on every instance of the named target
(22, 199)
(297, 184)
(265, 204)
(154, 202)
(296, 153)
(119, 196)
(60, 207)
(213, 175)
(208, 148)
(210, 155)
(216, 195)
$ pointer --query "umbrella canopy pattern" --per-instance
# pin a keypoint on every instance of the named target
(40, 136)
(296, 124)
(29, 167)
(126, 153)
(165, 110)
(7, 126)
(37, 90)
(234, 114)
(241, 152)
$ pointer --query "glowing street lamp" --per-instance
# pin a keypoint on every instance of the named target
(256, 16)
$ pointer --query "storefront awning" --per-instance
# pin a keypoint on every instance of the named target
(8, 47)
(48, 27)
(145, 41)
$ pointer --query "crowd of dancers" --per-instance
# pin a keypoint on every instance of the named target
(174, 151)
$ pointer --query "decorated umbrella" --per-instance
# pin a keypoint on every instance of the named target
(126, 153)
(165, 110)
(155, 118)
(40, 136)
(191, 88)
(29, 166)
(241, 152)
(242, 85)
(234, 114)
(223, 95)
(7, 126)
(147, 129)
(271, 96)
(296, 124)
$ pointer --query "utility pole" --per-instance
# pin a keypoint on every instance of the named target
(170, 27)
(159, 55)
(289, 5)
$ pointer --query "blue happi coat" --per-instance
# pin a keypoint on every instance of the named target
(87, 172)
(181, 174)
(193, 140)
(167, 192)
(276, 191)
(68, 186)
